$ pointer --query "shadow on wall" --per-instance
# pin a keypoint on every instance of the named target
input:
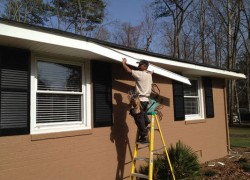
(122, 83)
(119, 134)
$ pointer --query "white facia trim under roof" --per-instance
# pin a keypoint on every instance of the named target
(58, 40)
(48, 38)
(117, 56)
(188, 68)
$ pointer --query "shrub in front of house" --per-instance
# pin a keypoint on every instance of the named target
(244, 164)
(184, 162)
(209, 173)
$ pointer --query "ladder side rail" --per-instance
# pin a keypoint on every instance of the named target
(151, 148)
(164, 145)
(134, 156)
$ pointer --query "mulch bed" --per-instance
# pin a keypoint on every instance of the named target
(229, 167)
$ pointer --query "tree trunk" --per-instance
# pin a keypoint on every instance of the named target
(248, 82)
(202, 31)
(230, 64)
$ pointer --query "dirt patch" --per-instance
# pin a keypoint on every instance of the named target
(234, 166)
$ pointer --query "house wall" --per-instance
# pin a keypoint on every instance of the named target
(207, 137)
(105, 153)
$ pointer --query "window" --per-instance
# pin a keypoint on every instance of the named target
(189, 100)
(61, 100)
(193, 100)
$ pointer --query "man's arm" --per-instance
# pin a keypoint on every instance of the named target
(125, 66)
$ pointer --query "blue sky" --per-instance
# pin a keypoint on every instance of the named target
(126, 10)
(121, 10)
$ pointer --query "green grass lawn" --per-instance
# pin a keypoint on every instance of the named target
(239, 137)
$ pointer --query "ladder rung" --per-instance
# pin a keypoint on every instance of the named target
(141, 158)
(139, 175)
(143, 147)
(142, 143)
(155, 150)
(159, 154)
(152, 151)
(156, 129)
(128, 162)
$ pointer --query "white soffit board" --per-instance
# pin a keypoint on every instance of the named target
(32, 35)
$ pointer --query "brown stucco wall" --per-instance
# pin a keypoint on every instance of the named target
(105, 153)
(208, 137)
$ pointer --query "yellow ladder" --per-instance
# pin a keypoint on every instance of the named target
(154, 118)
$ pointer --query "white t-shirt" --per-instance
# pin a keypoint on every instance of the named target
(143, 80)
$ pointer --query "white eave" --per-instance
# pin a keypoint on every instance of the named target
(187, 69)
(45, 41)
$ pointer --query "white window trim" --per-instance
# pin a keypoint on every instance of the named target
(201, 102)
(86, 100)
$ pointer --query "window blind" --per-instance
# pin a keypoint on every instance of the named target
(59, 97)
(58, 108)
(191, 98)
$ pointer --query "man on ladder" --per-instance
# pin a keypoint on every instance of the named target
(143, 79)
(143, 85)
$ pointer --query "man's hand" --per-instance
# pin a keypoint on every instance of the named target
(125, 66)
(124, 60)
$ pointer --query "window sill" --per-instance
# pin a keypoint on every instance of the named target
(195, 121)
(44, 136)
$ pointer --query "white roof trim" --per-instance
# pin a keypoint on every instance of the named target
(184, 65)
(117, 56)
(32, 35)
(113, 53)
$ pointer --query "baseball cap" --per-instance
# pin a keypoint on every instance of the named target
(145, 62)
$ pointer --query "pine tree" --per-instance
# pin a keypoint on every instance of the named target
(78, 15)
(27, 11)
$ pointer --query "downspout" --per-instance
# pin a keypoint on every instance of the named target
(226, 118)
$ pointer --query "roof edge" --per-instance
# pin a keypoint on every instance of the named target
(109, 44)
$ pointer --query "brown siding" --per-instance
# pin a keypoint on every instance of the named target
(207, 137)
(105, 153)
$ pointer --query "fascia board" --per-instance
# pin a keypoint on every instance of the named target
(117, 56)
(38, 36)
(186, 66)
(53, 39)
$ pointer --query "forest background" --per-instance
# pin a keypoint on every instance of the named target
(209, 32)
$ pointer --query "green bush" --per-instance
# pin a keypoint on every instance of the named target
(242, 160)
(210, 172)
(246, 167)
(244, 164)
(184, 162)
